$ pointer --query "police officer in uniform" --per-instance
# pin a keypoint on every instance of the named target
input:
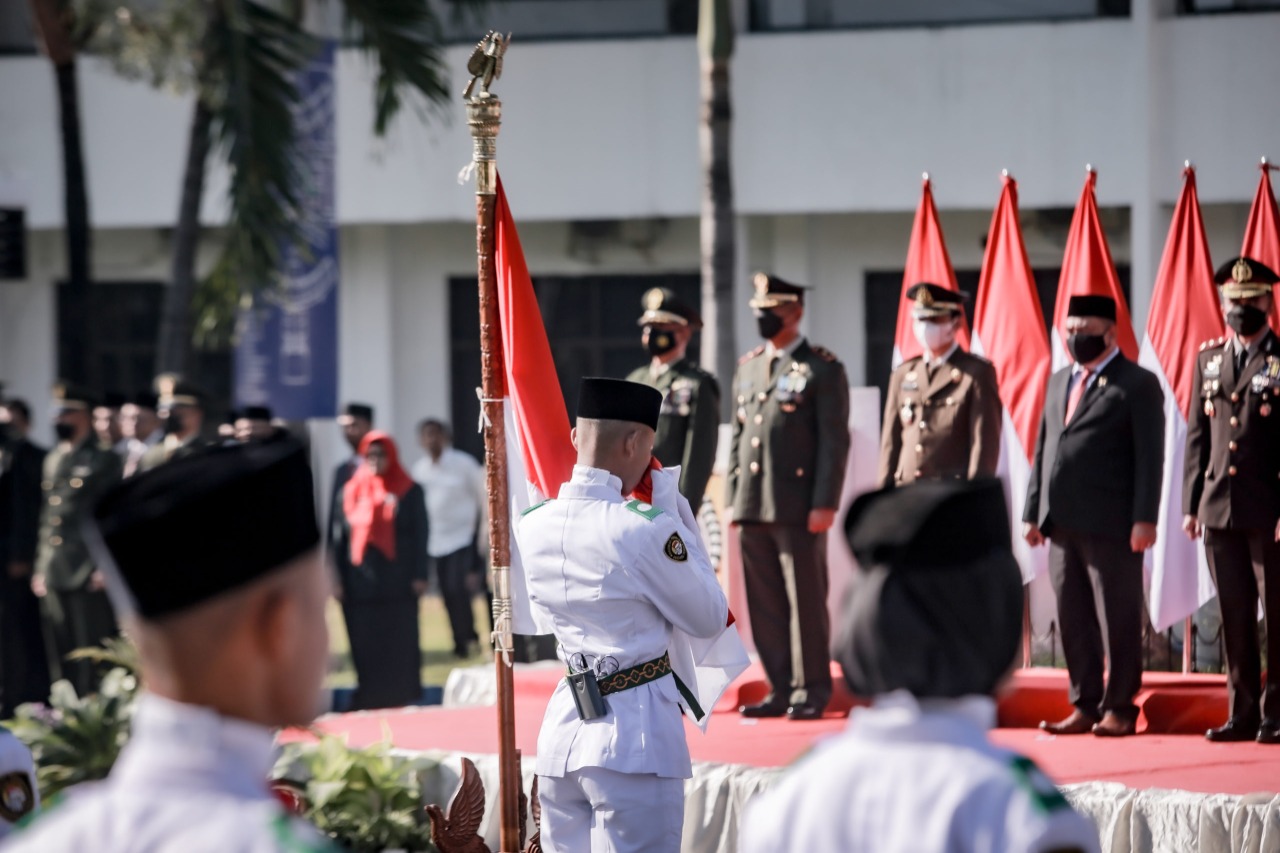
(929, 631)
(786, 469)
(942, 413)
(69, 582)
(182, 414)
(231, 636)
(690, 419)
(613, 577)
(1231, 491)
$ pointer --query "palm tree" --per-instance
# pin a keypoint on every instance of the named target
(241, 57)
(715, 47)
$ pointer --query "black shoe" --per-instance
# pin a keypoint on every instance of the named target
(1269, 731)
(805, 711)
(767, 708)
(1233, 731)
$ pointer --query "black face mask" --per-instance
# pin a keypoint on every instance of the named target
(768, 323)
(173, 424)
(660, 341)
(64, 432)
(1246, 319)
(1086, 348)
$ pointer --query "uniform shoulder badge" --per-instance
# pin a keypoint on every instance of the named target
(648, 511)
(823, 353)
(525, 512)
(1212, 342)
(748, 356)
(16, 797)
(1040, 787)
(675, 548)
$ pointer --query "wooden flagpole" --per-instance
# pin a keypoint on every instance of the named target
(484, 117)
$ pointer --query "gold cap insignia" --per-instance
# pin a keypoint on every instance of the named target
(1242, 273)
(653, 299)
(924, 298)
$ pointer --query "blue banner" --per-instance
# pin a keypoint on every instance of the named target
(287, 348)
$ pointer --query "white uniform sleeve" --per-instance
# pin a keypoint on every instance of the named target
(678, 579)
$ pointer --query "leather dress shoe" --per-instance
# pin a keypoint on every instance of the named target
(1113, 725)
(1269, 731)
(1233, 731)
(1077, 724)
(767, 708)
(805, 711)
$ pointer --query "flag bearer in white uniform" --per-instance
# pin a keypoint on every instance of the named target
(213, 566)
(930, 630)
(613, 576)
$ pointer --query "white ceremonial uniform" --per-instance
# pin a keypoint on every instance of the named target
(607, 575)
(188, 781)
(915, 776)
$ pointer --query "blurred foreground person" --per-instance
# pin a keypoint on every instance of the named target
(19, 793)
(930, 630)
(614, 577)
(232, 640)
(385, 576)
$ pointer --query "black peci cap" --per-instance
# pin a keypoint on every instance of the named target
(114, 399)
(199, 526)
(357, 410)
(146, 400)
(936, 607)
(1092, 306)
(255, 413)
(619, 400)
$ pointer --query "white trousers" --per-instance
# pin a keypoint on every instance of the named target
(594, 810)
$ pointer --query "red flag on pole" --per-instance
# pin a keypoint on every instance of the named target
(1008, 329)
(1087, 270)
(927, 260)
(1262, 234)
(1188, 315)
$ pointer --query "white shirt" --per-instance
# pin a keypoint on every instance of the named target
(188, 781)
(912, 776)
(454, 486)
(1077, 371)
(930, 360)
(599, 567)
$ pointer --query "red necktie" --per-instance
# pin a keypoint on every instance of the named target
(1077, 394)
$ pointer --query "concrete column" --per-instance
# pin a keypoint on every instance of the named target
(366, 305)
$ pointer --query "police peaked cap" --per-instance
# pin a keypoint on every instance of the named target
(114, 399)
(936, 607)
(68, 396)
(771, 291)
(934, 300)
(662, 305)
(619, 400)
(1092, 306)
(1243, 277)
(203, 525)
(175, 391)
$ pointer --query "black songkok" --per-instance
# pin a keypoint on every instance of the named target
(936, 607)
(203, 525)
(619, 400)
(1092, 306)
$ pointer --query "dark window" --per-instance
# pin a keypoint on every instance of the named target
(884, 290)
(591, 325)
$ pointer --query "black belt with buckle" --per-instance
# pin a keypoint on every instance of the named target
(634, 676)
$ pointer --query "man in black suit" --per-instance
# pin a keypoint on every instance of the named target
(1094, 492)
(355, 421)
(1231, 492)
(24, 669)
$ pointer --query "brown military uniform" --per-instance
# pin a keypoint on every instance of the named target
(688, 424)
(75, 615)
(1232, 485)
(941, 421)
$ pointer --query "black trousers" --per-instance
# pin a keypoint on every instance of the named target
(455, 572)
(24, 665)
(1087, 568)
(785, 569)
(1246, 566)
(76, 619)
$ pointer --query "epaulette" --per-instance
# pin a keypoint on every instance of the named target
(1213, 342)
(641, 508)
(824, 353)
(535, 506)
(755, 352)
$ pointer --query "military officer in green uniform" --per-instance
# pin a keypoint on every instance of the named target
(942, 413)
(70, 586)
(182, 415)
(690, 419)
(1231, 492)
(786, 469)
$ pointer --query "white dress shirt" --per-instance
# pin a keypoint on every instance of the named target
(455, 492)
(599, 567)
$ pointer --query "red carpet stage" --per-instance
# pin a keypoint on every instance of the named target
(740, 756)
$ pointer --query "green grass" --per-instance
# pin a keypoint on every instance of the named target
(433, 635)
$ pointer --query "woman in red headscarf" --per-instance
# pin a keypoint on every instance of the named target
(387, 518)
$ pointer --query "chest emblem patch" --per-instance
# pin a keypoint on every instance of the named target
(675, 548)
(16, 797)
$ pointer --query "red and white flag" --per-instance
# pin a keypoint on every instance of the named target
(1185, 313)
(927, 260)
(1008, 329)
(1087, 270)
(1262, 233)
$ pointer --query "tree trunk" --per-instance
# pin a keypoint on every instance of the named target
(719, 349)
(173, 349)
